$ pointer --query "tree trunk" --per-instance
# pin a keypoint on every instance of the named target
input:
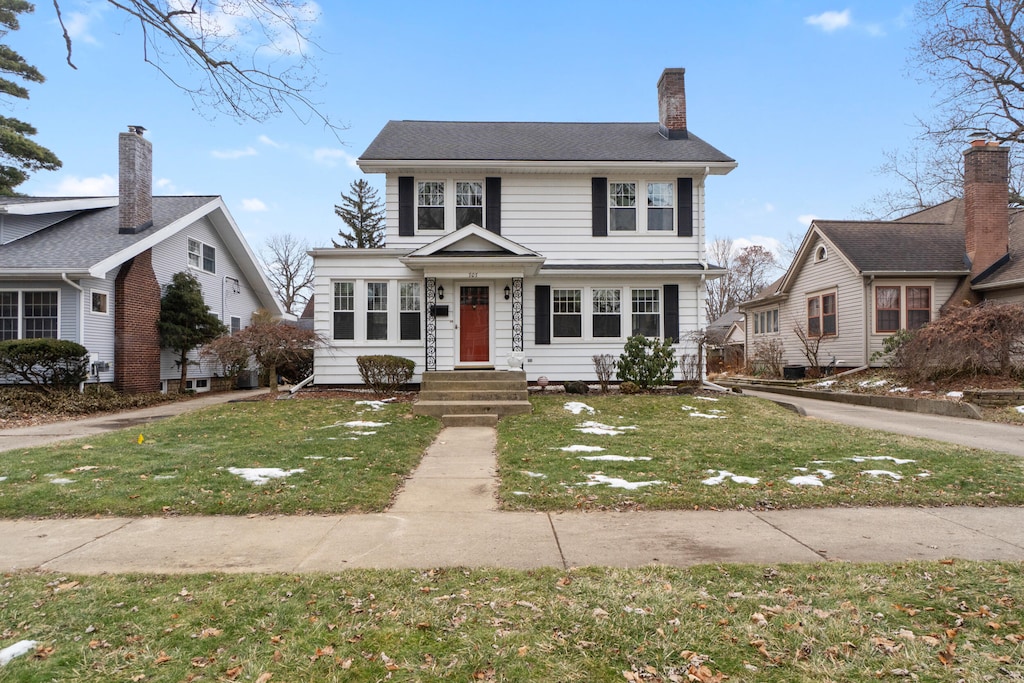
(272, 378)
(184, 372)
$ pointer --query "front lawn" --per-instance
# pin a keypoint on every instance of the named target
(931, 621)
(291, 457)
(686, 452)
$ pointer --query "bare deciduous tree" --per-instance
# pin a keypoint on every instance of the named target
(249, 59)
(289, 269)
(748, 271)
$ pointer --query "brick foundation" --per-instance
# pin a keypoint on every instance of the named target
(136, 337)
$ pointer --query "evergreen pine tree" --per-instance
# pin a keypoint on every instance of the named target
(19, 155)
(363, 213)
(185, 321)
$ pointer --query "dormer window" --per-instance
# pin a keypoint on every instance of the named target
(469, 203)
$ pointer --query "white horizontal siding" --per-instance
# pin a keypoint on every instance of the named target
(99, 327)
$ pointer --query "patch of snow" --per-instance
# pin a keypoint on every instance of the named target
(591, 427)
(62, 480)
(3, 478)
(614, 458)
(687, 407)
(576, 407)
(875, 383)
(22, 647)
(344, 458)
(895, 461)
(364, 423)
(1019, 409)
(883, 473)
(954, 394)
(83, 468)
(925, 392)
(520, 493)
(724, 474)
(375, 405)
(363, 433)
(535, 475)
(314, 457)
(923, 475)
(806, 480)
(705, 398)
(615, 483)
(825, 383)
(577, 448)
(899, 390)
(706, 416)
(261, 475)
(591, 423)
(160, 477)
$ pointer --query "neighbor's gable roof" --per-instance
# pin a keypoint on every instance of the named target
(1012, 273)
(896, 247)
(463, 141)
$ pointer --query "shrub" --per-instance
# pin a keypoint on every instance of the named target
(385, 374)
(576, 387)
(767, 357)
(892, 349)
(604, 366)
(628, 387)
(647, 362)
(46, 363)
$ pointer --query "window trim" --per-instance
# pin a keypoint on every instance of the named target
(821, 316)
(377, 298)
(20, 308)
(93, 293)
(642, 205)
(594, 313)
(403, 311)
(904, 309)
(335, 310)
(201, 255)
(450, 198)
(565, 315)
(232, 327)
(659, 313)
(766, 321)
(898, 308)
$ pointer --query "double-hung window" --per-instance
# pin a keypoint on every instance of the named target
(469, 203)
(660, 203)
(622, 205)
(887, 309)
(430, 205)
(896, 309)
(607, 315)
(409, 314)
(376, 310)
(647, 312)
(344, 310)
(9, 316)
(919, 307)
(766, 322)
(202, 256)
(29, 315)
(821, 315)
(567, 312)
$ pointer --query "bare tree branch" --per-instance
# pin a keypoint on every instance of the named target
(289, 269)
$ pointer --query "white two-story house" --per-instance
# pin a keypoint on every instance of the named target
(532, 244)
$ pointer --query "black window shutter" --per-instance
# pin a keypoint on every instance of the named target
(671, 293)
(684, 221)
(599, 201)
(492, 219)
(542, 314)
(406, 206)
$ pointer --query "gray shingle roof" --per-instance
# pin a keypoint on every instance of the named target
(88, 237)
(1014, 270)
(512, 141)
(893, 246)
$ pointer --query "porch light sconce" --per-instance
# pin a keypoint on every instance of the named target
(440, 292)
(508, 292)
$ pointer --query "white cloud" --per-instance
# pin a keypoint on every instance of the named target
(769, 207)
(830, 21)
(332, 156)
(73, 186)
(253, 205)
(266, 140)
(234, 153)
(78, 27)
(805, 219)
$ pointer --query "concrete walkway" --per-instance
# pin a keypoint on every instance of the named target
(446, 516)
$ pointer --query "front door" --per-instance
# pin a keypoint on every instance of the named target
(474, 324)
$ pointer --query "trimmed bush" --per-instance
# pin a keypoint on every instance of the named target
(647, 362)
(46, 363)
(630, 388)
(385, 374)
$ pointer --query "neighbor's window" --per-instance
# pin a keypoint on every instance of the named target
(9, 315)
(919, 307)
(202, 256)
(567, 313)
(99, 302)
(887, 309)
(766, 322)
(821, 315)
(344, 310)
(376, 310)
(647, 312)
(236, 324)
(469, 204)
(607, 316)
(410, 307)
(39, 310)
(622, 204)
(430, 205)
(660, 200)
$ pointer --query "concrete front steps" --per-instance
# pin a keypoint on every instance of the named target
(472, 398)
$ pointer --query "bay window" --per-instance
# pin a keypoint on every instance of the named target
(376, 310)
(344, 310)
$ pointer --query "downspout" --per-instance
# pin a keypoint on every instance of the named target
(867, 320)
(81, 317)
(704, 268)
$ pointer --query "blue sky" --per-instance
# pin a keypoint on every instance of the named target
(806, 96)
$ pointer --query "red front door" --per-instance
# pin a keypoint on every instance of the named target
(474, 325)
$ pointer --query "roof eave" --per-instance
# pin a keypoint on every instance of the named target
(914, 273)
(1006, 284)
(58, 206)
(535, 166)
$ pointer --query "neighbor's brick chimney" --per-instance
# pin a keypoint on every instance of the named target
(986, 197)
(134, 181)
(672, 104)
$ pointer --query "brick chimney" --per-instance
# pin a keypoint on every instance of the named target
(672, 104)
(134, 181)
(986, 197)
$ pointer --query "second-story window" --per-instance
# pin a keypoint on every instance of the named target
(469, 203)
(202, 256)
(622, 204)
(660, 203)
(430, 205)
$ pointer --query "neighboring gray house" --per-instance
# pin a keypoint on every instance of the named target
(854, 283)
(524, 244)
(91, 270)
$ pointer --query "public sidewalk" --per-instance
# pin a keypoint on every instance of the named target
(446, 515)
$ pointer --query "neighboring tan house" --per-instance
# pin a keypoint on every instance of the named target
(854, 283)
(91, 270)
(532, 244)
